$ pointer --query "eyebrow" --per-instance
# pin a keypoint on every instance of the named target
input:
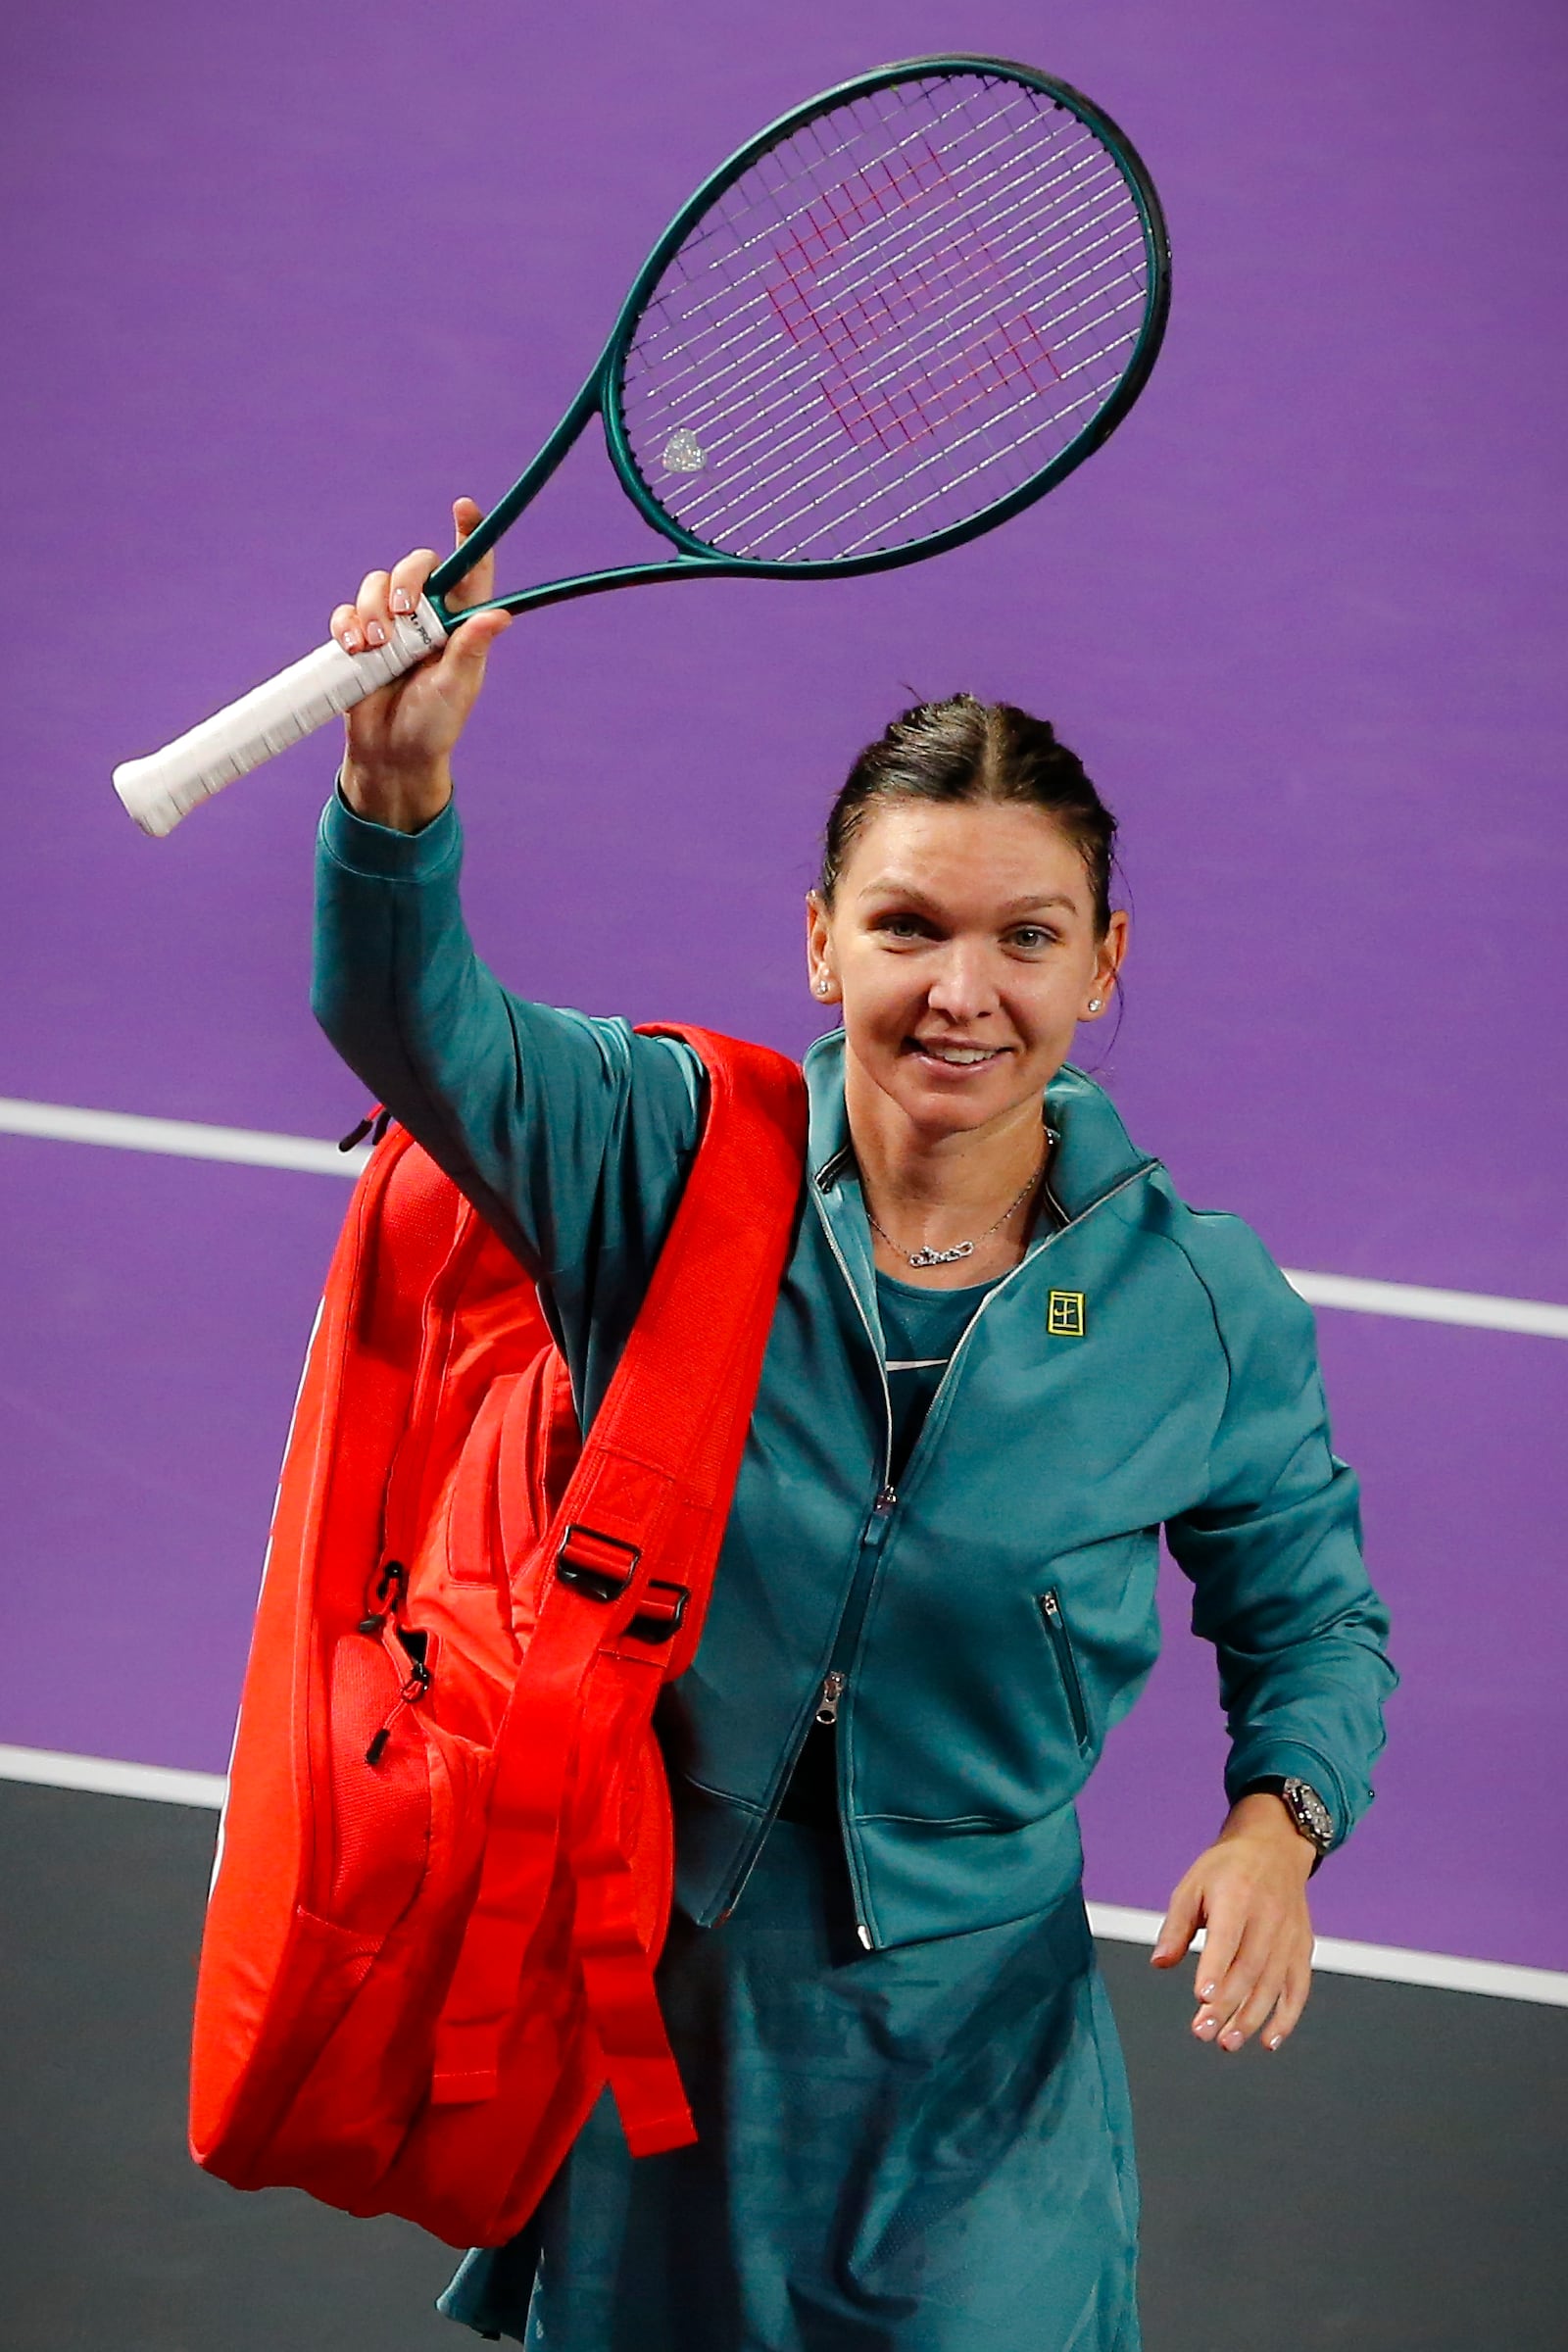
(893, 886)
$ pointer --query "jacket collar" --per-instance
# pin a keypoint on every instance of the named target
(1094, 1152)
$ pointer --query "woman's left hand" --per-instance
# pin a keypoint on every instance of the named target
(1248, 1892)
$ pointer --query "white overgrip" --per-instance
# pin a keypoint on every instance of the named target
(167, 785)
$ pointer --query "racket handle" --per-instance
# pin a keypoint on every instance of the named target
(167, 785)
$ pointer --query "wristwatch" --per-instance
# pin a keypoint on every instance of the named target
(1304, 1806)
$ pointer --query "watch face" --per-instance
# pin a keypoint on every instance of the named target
(1309, 1810)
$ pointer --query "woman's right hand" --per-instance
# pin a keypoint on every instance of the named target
(397, 768)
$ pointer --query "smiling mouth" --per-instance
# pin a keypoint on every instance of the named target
(944, 1056)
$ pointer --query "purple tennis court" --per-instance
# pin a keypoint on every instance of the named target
(282, 284)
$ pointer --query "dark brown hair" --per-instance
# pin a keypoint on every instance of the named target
(966, 750)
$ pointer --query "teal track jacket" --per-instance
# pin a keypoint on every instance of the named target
(1147, 1366)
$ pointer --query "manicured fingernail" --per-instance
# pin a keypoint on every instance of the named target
(1274, 2041)
(375, 634)
(352, 640)
(1206, 2026)
(1230, 2040)
(1205, 1992)
(402, 601)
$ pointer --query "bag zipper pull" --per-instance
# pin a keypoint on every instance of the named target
(392, 1581)
(413, 1690)
(374, 1124)
(827, 1705)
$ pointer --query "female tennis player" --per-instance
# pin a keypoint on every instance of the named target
(1005, 1355)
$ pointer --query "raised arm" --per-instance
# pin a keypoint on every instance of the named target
(571, 1135)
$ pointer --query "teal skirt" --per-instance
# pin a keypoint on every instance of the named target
(927, 2149)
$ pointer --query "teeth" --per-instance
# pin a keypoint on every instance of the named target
(962, 1055)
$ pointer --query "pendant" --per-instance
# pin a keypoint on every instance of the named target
(943, 1257)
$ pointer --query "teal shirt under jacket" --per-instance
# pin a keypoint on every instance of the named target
(997, 1616)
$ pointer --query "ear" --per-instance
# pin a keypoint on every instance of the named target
(1108, 958)
(819, 972)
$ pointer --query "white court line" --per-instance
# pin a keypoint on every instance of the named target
(183, 1139)
(48, 1768)
(1539, 1317)
(186, 1139)
(103, 1775)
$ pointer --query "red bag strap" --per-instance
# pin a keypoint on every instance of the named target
(634, 1544)
(615, 1966)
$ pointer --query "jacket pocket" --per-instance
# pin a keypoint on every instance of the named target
(1056, 1624)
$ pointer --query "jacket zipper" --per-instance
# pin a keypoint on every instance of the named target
(836, 1680)
(1072, 1684)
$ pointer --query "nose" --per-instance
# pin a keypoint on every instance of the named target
(962, 986)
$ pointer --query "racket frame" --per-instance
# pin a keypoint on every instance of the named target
(602, 391)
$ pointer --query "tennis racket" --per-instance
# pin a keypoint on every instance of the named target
(899, 316)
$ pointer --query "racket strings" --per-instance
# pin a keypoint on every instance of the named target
(960, 393)
(1089, 401)
(976, 382)
(683, 324)
(921, 353)
(791, 218)
(705, 411)
(773, 186)
(796, 548)
(846, 509)
(869, 338)
(725, 222)
(857, 289)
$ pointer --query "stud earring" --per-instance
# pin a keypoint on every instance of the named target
(822, 988)
(1095, 1004)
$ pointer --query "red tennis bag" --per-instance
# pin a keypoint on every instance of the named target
(445, 1863)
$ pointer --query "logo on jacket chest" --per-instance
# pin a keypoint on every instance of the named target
(1064, 1315)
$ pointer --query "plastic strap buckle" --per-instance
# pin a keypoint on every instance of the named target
(663, 1612)
(600, 1567)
